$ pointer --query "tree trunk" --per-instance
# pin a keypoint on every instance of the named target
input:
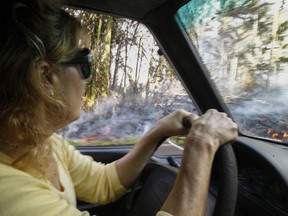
(92, 89)
(138, 61)
(116, 69)
(106, 58)
(275, 26)
(124, 79)
(150, 72)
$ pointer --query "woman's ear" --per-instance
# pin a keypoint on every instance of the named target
(49, 78)
(47, 73)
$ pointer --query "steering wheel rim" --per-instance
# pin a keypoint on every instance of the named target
(227, 182)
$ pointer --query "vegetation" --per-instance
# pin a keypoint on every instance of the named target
(243, 44)
(126, 140)
(245, 41)
(113, 42)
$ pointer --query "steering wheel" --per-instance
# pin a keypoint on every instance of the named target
(227, 182)
(153, 186)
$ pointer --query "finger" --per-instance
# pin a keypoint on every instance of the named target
(235, 126)
(188, 120)
(182, 113)
(235, 135)
(209, 114)
(234, 132)
(216, 115)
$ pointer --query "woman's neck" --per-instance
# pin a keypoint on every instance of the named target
(16, 149)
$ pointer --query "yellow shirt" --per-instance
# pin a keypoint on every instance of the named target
(21, 194)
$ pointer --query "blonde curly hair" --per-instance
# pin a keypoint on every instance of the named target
(31, 31)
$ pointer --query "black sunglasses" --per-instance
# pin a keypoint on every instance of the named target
(83, 58)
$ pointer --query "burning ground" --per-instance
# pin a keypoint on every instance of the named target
(118, 119)
(121, 119)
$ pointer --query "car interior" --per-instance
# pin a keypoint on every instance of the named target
(250, 176)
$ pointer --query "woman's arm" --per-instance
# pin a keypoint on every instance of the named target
(208, 132)
(130, 166)
(189, 194)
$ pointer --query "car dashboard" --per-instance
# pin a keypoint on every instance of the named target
(262, 175)
(262, 178)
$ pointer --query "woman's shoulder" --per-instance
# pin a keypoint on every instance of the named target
(58, 139)
(11, 177)
(62, 148)
(5, 159)
(59, 143)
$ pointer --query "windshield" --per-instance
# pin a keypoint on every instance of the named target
(244, 46)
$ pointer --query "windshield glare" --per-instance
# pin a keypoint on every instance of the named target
(244, 46)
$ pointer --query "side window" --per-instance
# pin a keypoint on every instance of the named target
(132, 86)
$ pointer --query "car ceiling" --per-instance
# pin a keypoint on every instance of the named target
(128, 8)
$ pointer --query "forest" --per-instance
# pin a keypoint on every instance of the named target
(244, 46)
(125, 57)
(244, 41)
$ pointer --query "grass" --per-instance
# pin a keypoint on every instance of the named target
(125, 140)
(179, 140)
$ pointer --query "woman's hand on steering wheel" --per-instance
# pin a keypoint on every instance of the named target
(214, 127)
(175, 124)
